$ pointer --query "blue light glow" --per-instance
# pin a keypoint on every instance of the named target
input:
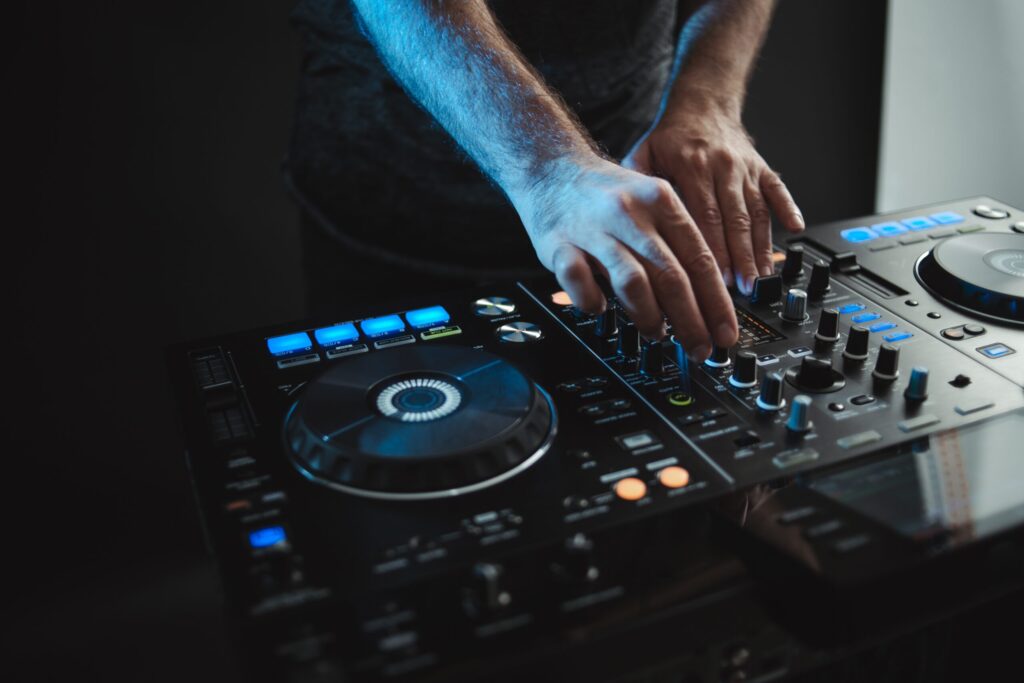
(289, 343)
(897, 336)
(888, 229)
(996, 350)
(850, 308)
(336, 334)
(947, 217)
(266, 537)
(865, 317)
(882, 327)
(428, 317)
(919, 223)
(379, 327)
(861, 234)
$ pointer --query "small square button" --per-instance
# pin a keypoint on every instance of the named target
(995, 350)
(947, 217)
(865, 317)
(861, 234)
(919, 223)
(889, 229)
(638, 440)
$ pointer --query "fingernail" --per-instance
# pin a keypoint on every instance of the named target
(799, 220)
(744, 284)
(727, 276)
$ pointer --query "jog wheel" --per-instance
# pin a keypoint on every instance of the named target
(418, 423)
(982, 273)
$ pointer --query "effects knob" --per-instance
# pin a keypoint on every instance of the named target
(799, 421)
(917, 387)
(486, 593)
(828, 326)
(520, 333)
(857, 343)
(719, 357)
(629, 341)
(651, 358)
(578, 562)
(815, 374)
(744, 374)
(820, 280)
(795, 308)
(770, 399)
(607, 324)
(683, 365)
(887, 367)
(792, 269)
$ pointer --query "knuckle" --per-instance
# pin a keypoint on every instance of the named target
(697, 159)
(772, 181)
(702, 263)
(669, 279)
(663, 193)
(710, 215)
(759, 213)
(740, 222)
(725, 159)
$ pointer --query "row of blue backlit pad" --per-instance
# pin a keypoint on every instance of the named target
(871, 316)
(866, 234)
(346, 333)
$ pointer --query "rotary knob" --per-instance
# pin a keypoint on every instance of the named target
(683, 365)
(795, 308)
(520, 333)
(820, 280)
(828, 326)
(629, 341)
(770, 399)
(799, 421)
(917, 387)
(607, 324)
(493, 306)
(719, 357)
(792, 269)
(815, 373)
(857, 343)
(744, 374)
(652, 358)
(887, 367)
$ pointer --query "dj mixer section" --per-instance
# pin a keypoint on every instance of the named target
(475, 484)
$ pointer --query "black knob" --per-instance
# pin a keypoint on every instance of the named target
(815, 374)
(820, 278)
(770, 399)
(486, 593)
(828, 326)
(607, 324)
(887, 367)
(719, 357)
(857, 343)
(682, 363)
(792, 269)
(651, 358)
(578, 562)
(744, 374)
(629, 341)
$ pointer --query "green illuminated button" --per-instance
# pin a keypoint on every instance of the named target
(438, 332)
(679, 398)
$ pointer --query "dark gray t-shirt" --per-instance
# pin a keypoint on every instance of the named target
(390, 179)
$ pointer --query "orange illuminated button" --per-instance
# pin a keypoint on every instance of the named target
(561, 299)
(674, 477)
(630, 488)
(778, 257)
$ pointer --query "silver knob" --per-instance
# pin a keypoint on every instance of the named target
(795, 308)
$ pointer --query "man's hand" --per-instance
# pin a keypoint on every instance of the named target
(591, 214)
(725, 184)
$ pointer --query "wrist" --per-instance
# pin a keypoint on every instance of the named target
(695, 101)
(538, 190)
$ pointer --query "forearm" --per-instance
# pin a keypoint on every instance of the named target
(458, 64)
(717, 49)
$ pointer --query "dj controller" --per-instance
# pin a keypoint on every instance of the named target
(492, 484)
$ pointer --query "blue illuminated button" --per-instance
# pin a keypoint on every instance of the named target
(428, 317)
(379, 327)
(865, 317)
(850, 308)
(882, 327)
(897, 336)
(919, 223)
(267, 537)
(888, 229)
(996, 350)
(858, 234)
(336, 334)
(289, 343)
(947, 217)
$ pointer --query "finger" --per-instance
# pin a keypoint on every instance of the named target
(698, 190)
(777, 194)
(761, 228)
(573, 272)
(729, 189)
(631, 285)
(684, 240)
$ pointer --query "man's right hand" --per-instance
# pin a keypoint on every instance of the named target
(594, 215)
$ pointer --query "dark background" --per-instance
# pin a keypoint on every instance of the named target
(144, 206)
